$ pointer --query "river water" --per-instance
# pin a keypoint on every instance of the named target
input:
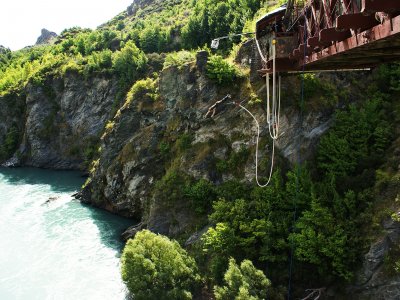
(56, 250)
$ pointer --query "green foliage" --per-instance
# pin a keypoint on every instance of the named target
(327, 240)
(86, 41)
(157, 28)
(154, 39)
(184, 142)
(242, 283)
(30, 65)
(200, 194)
(212, 19)
(221, 71)
(321, 91)
(175, 187)
(5, 57)
(129, 63)
(359, 138)
(164, 148)
(142, 90)
(10, 143)
(90, 149)
(386, 78)
(99, 62)
(178, 59)
(252, 227)
(327, 233)
(154, 267)
(169, 189)
(235, 162)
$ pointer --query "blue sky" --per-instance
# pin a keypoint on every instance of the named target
(22, 20)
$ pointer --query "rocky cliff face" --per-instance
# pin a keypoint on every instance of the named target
(61, 121)
(132, 159)
(46, 37)
(140, 4)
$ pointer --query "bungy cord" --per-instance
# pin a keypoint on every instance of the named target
(274, 121)
(257, 142)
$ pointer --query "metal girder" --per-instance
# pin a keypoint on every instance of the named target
(356, 21)
(332, 35)
(373, 6)
(376, 42)
(343, 34)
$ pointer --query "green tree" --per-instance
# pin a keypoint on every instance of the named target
(129, 63)
(221, 71)
(154, 267)
(242, 283)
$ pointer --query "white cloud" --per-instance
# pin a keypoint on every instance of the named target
(22, 20)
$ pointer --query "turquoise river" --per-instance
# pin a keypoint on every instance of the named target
(52, 246)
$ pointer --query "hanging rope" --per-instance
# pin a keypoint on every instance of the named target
(274, 121)
(260, 52)
(257, 142)
(215, 42)
(273, 113)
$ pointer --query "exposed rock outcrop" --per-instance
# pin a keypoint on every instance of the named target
(60, 122)
(373, 280)
(12, 120)
(46, 37)
(139, 4)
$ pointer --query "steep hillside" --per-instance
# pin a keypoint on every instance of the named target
(127, 104)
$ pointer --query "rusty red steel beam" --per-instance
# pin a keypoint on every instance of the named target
(356, 21)
(332, 35)
(373, 6)
(375, 34)
(327, 13)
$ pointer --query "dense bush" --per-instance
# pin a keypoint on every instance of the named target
(129, 63)
(154, 39)
(212, 19)
(143, 89)
(242, 282)
(200, 195)
(178, 59)
(154, 267)
(221, 71)
(359, 138)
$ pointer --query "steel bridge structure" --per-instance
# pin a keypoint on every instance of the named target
(319, 35)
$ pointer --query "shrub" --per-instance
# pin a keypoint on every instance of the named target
(200, 194)
(184, 142)
(221, 71)
(154, 267)
(168, 189)
(178, 59)
(143, 89)
(153, 39)
(129, 63)
(99, 62)
(244, 282)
